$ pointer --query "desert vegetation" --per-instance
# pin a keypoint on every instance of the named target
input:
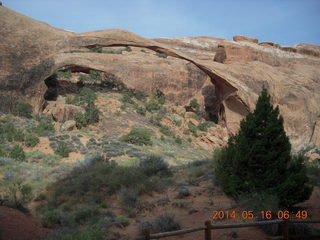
(123, 151)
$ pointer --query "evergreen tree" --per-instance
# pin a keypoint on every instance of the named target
(258, 158)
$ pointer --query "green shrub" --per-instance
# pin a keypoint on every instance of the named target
(31, 140)
(183, 192)
(26, 192)
(2, 152)
(84, 78)
(18, 135)
(126, 98)
(177, 122)
(85, 213)
(50, 218)
(140, 95)
(128, 49)
(138, 136)
(155, 119)
(129, 197)
(17, 153)
(87, 95)
(162, 55)
(96, 49)
(92, 113)
(141, 110)
(178, 140)
(62, 149)
(205, 125)
(63, 74)
(111, 81)
(94, 75)
(152, 105)
(123, 220)
(194, 104)
(154, 165)
(45, 126)
(103, 205)
(166, 130)
(80, 120)
(22, 109)
(193, 129)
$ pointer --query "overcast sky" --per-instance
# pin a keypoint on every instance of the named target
(285, 22)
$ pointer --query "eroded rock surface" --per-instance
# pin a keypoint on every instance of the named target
(32, 51)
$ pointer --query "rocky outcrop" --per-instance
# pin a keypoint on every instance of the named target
(62, 112)
(221, 55)
(245, 39)
(32, 51)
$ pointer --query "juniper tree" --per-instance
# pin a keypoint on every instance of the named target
(258, 158)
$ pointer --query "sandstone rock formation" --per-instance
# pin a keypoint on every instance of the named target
(220, 55)
(244, 39)
(32, 51)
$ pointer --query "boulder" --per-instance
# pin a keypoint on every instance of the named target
(68, 125)
(61, 112)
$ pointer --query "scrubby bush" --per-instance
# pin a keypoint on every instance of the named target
(205, 125)
(126, 98)
(166, 130)
(63, 74)
(14, 188)
(193, 129)
(45, 126)
(50, 218)
(141, 110)
(111, 81)
(92, 113)
(87, 95)
(154, 165)
(183, 192)
(17, 153)
(177, 122)
(162, 55)
(178, 140)
(313, 171)
(165, 223)
(80, 120)
(129, 197)
(88, 233)
(138, 136)
(31, 140)
(22, 109)
(128, 49)
(140, 95)
(94, 75)
(123, 220)
(62, 149)
(152, 105)
(85, 213)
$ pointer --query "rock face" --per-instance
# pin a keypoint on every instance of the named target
(220, 55)
(245, 39)
(62, 112)
(182, 68)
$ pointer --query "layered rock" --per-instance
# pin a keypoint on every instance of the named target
(32, 51)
